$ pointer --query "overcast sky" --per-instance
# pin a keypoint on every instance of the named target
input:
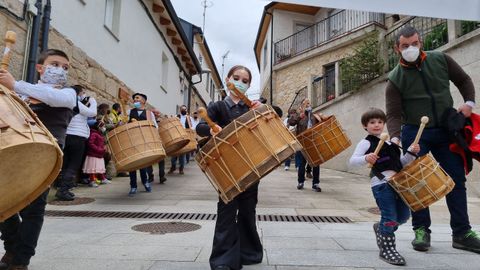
(230, 25)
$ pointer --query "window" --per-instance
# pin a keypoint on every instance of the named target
(164, 71)
(329, 79)
(265, 55)
(112, 16)
(304, 38)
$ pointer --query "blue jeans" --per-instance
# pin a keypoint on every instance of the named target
(133, 177)
(298, 159)
(394, 211)
(301, 171)
(288, 161)
(436, 141)
(181, 160)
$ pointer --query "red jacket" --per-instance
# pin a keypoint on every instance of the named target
(471, 136)
(96, 144)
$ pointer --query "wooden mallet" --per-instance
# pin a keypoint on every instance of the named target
(383, 138)
(203, 114)
(423, 123)
(239, 94)
(10, 38)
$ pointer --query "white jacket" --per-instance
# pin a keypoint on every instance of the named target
(78, 125)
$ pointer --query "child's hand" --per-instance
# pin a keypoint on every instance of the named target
(371, 158)
(414, 148)
(218, 128)
(256, 104)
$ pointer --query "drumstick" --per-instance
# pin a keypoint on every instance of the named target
(239, 94)
(10, 38)
(424, 121)
(203, 113)
(383, 138)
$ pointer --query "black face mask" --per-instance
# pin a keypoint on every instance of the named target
(195, 117)
(183, 112)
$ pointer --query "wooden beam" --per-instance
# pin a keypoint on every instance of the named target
(190, 66)
(171, 32)
(157, 8)
(185, 59)
(181, 51)
(164, 21)
(176, 41)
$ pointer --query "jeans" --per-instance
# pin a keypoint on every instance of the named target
(301, 171)
(181, 160)
(133, 177)
(288, 161)
(435, 140)
(20, 236)
(298, 159)
(394, 211)
(72, 161)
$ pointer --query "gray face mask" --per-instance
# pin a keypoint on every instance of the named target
(54, 75)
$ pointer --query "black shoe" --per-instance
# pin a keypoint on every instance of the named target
(469, 241)
(300, 186)
(222, 267)
(172, 169)
(309, 175)
(63, 196)
(71, 194)
(6, 260)
(150, 178)
(422, 240)
(163, 180)
(317, 188)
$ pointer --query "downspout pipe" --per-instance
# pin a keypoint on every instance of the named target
(271, 56)
(46, 25)
(32, 56)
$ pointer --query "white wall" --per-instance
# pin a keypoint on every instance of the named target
(135, 58)
(202, 86)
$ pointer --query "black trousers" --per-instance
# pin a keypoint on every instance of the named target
(236, 241)
(72, 161)
(20, 236)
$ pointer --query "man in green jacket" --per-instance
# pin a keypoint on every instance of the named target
(420, 86)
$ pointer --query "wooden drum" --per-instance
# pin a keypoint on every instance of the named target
(245, 150)
(191, 146)
(30, 158)
(135, 145)
(323, 141)
(422, 182)
(174, 135)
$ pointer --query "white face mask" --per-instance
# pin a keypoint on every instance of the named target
(243, 87)
(411, 54)
(54, 75)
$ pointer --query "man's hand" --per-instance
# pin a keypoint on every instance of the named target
(414, 148)
(466, 110)
(256, 104)
(7, 79)
(213, 133)
(371, 158)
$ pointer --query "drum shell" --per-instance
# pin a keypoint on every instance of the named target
(191, 146)
(324, 141)
(135, 145)
(421, 183)
(245, 150)
(174, 136)
(30, 156)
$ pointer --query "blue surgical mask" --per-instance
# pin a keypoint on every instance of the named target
(54, 75)
(137, 105)
(242, 87)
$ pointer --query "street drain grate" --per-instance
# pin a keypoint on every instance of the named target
(192, 216)
(76, 201)
(166, 227)
(374, 210)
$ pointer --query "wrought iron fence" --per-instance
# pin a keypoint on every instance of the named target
(468, 26)
(433, 33)
(333, 26)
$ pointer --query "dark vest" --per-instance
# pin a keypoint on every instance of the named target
(56, 119)
(424, 90)
(134, 115)
(389, 156)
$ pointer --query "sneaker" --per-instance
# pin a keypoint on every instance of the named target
(469, 241)
(163, 180)
(148, 188)
(309, 175)
(422, 239)
(287, 168)
(93, 184)
(132, 192)
(317, 188)
(106, 181)
(98, 181)
(300, 186)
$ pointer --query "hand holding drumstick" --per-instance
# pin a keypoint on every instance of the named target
(214, 128)
(251, 104)
(6, 79)
(372, 157)
(415, 147)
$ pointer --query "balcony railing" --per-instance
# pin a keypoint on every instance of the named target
(314, 36)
